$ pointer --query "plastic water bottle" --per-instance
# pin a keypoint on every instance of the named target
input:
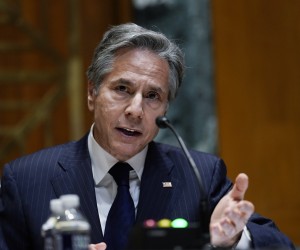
(72, 230)
(56, 209)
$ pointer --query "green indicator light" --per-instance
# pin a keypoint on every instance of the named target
(179, 223)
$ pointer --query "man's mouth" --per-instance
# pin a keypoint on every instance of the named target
(129, 132)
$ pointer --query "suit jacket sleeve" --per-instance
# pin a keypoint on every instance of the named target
(3, 245)
(264, 232)
(12, 217)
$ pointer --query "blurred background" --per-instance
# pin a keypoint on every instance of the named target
(239, 100)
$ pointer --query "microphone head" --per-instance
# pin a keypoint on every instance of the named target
(162, 122)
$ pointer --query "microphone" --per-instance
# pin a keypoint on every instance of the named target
(163, 122)
(195, 235)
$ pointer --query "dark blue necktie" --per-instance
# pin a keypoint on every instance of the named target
(121, 215)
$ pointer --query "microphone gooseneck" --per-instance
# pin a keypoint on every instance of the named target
(163, 122)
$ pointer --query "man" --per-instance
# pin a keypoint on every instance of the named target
(134, 75)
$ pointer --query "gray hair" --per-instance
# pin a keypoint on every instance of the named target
(133, 36)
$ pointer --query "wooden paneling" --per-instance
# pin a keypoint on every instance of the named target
(257, 60)
(45, 48)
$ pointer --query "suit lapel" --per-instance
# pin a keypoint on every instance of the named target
(75, 177)
(160, 186)
(156, 201)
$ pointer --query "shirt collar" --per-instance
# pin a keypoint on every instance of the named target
(102, 161)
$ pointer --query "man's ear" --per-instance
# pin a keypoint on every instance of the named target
(91, 95)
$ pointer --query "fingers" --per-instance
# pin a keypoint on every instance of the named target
(240, 187)
(231, 215)
(239, 216)
(99, 246)
(223, 234)
(228, 230)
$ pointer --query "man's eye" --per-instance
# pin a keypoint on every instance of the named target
(153, 95)
(122, 88)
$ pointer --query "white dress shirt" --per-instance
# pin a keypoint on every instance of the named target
(106, 187)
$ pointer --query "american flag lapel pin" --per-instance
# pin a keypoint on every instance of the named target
(167, 184)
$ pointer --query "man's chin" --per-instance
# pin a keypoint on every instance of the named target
(126, 152)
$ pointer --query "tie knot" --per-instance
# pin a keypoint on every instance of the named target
(120, 173)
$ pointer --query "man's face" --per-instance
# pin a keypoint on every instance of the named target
(130, 98)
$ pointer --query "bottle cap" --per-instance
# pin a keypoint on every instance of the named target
(70, 200)
(56, 206)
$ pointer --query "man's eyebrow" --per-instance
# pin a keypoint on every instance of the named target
(128, 82)
(156, 89)
(124, 81)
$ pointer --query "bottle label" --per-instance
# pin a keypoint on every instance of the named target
(71, 241)
(48, 243)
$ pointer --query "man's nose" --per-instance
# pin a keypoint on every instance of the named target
(135, 107)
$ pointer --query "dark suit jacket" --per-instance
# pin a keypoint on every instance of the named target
(30, 182)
